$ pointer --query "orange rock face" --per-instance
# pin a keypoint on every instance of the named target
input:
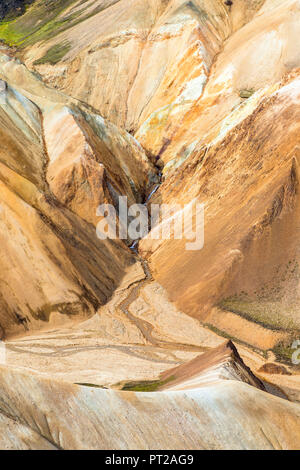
(172, 102)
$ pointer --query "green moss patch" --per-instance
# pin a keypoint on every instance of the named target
(54, 54)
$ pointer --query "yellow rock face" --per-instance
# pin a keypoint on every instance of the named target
(167, 102)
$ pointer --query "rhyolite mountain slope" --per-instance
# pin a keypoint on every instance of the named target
(106, 98)
(59, 161)
(216, 413)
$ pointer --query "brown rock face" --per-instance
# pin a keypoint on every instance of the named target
(167, 102)
(270, 368)
(13, 7)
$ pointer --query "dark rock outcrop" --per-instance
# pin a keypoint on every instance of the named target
(13, 7)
